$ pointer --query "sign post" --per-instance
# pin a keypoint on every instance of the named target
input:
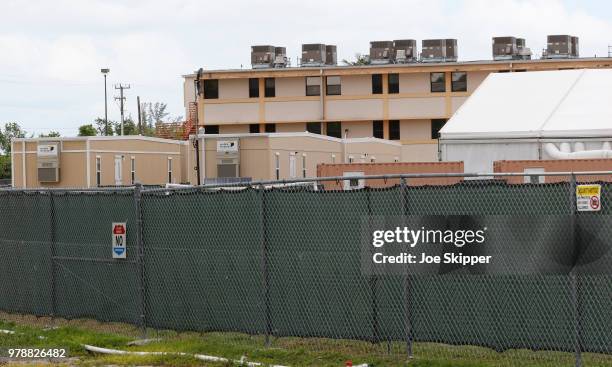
(119, 240)
(588, 198)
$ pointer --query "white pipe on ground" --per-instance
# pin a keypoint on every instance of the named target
(201, 357)
(555, 153)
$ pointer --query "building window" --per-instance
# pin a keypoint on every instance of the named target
(438, 82)
(253, 87)
(98, 171)
(351, 159)
(333, 158)
(334, 129)
(313, 127)
(377, 84)
(394, 130)
(211, 129)
(270, 87)
(304, 165)
(169, 169)
(313, 86)
(254, 128)
(133, 170)
(393, 80)
(277, 165)
(459, 81)
(436, 125)
(377, 129)
(333, 86)
(270, 128)
(211, 89)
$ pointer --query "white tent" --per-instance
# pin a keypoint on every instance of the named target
(561, 114)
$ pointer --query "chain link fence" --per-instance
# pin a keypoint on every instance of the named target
(281, 262)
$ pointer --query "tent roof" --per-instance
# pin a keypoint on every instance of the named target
(548, 104)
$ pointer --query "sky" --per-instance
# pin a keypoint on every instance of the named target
(51, 52)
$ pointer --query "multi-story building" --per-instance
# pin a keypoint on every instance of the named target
(406, 103)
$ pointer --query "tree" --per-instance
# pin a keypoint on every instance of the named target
(154, 113)
(129, 127)
(51, 134)
(5, 166)
(359, 60)
(101, 126)
(87, 130)
(11, 131)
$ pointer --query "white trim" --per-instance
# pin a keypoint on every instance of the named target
(132, 170)
(169, 169)
(372, 140)
(106, 138)
(12, 165)
(272, 135)
(23, 163)
(88, 164)
(117, 151)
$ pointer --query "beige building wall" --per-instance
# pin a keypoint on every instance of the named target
(293, 110)
(356, 85)
(357, 129)
(234, 129)
(295, 127)
(415, 130)
(421, 107)
(290, 87)
(420, 152)
(371, 150)
(150, 155)
(361, 109)
(233, 88)
(415, 83)
(230, 113)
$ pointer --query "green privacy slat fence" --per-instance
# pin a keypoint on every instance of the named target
(286, 262)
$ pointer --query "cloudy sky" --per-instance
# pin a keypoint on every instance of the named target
(51, 52)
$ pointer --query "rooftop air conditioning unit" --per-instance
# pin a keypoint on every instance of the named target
(381, 52)
(263, 56)
(280, 57)
(561, 47)
(313, 54)
(439, 50)
(405, 51)
(504, 48)
(48, 161)
(331, 55)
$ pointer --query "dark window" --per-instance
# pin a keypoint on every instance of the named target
(377, 129)
(436, 125)
(270, 128)
(211, 129)
(393, 83)
(253, 87)
(459, 81)
(270, 87)
(211, 89)
(377, 84)
(333, 86)
(254, 128)
(313, 86)
(394, 130)
(313, 127)
(438, 82)
(334, 129)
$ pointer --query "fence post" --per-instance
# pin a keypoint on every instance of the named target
(53, 255)
(140, 257)
(574, 280)
(373, 279)
(266, 275)
(407, 290)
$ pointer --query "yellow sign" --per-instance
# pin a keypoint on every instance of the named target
(588, 198)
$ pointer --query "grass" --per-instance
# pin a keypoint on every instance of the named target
(34, 332)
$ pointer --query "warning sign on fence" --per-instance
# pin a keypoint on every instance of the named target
(588, 198)
(119, 243)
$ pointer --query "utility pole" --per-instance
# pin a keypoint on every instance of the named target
(140, 127)
(121, 99)
(104, 72)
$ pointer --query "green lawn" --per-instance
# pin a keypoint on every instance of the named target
(36, 332)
